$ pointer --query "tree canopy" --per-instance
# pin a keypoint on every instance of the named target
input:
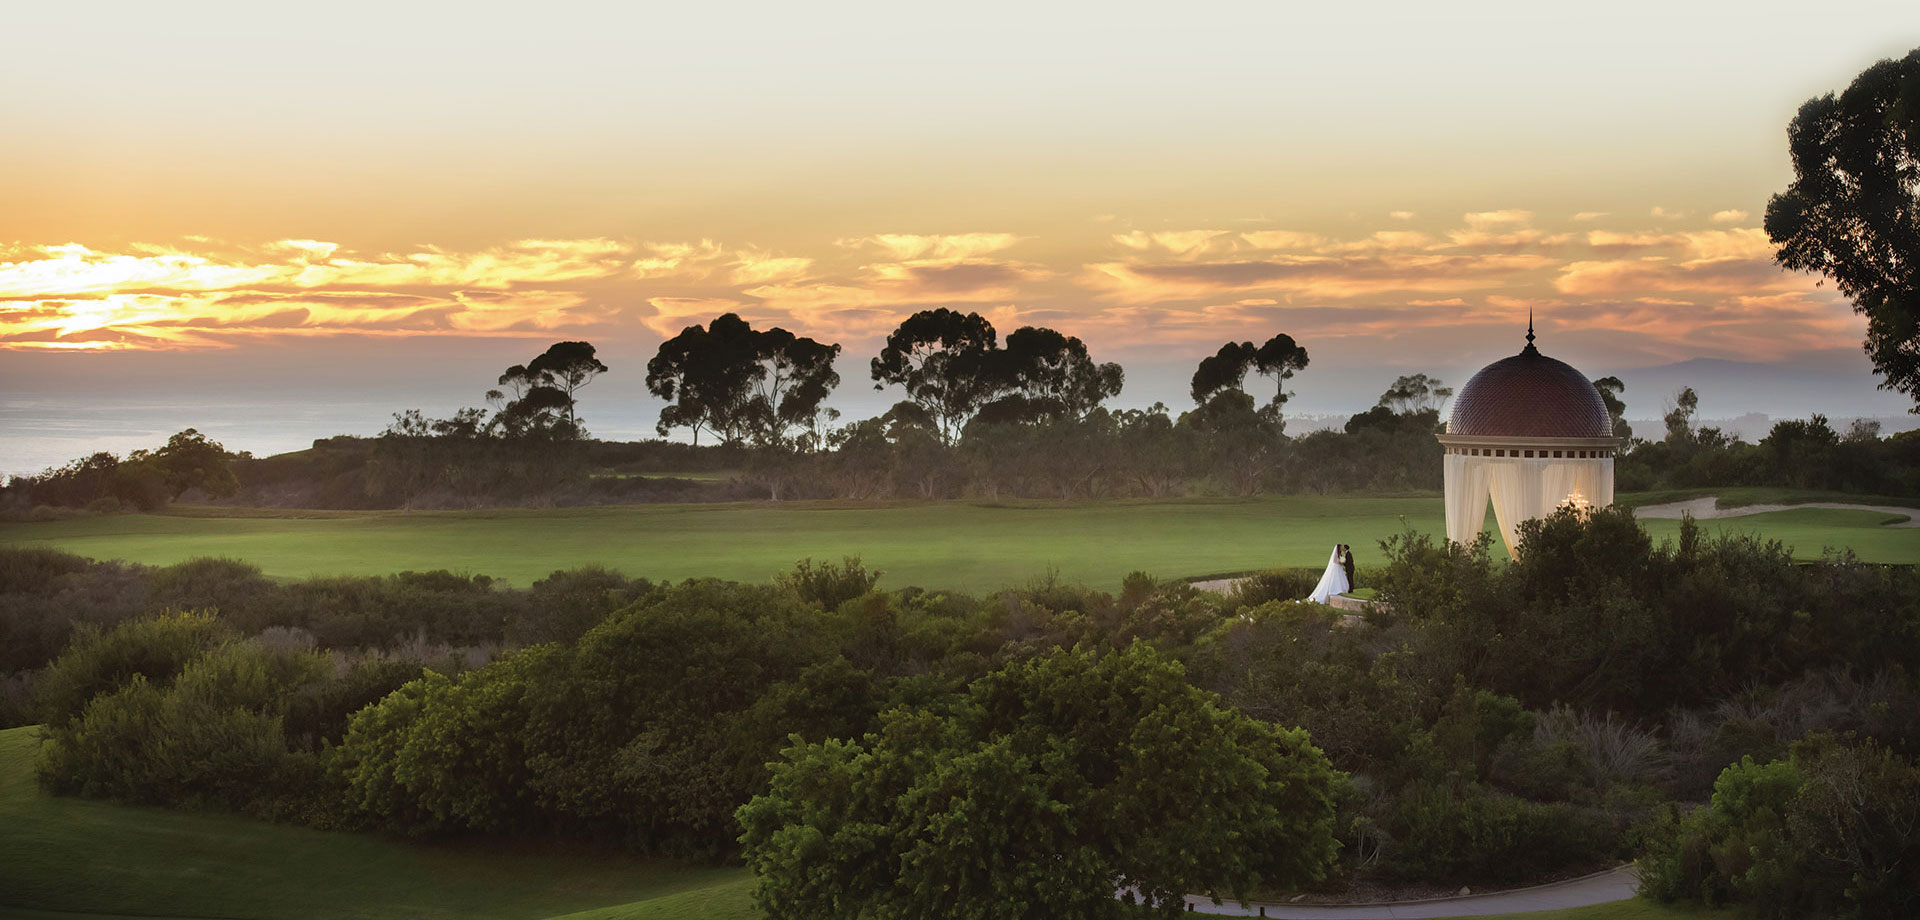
(539, 400)
(1279, 358)
(1042, 792)
(742, 384)
(1852, 212)
(1054, 375)
(1415, 393)
(945, 361)
(952, 367)
(1610, 389)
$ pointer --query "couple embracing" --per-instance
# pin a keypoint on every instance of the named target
(1338, 578)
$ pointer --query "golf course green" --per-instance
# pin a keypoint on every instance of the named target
(954, 545)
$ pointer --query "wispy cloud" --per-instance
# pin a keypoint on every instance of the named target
(905, 246)
(1711, 280)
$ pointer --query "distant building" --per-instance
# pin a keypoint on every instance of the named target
(1531, 434)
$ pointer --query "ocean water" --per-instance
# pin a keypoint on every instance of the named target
(38, 433)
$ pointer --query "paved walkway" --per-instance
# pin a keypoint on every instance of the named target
(1709, 508)
(1600, 888)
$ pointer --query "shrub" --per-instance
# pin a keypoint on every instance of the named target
(1829, 832)
(1452, 834)
(444, 754)
(565, 604)
(155, 649)
(33, 570)
(230, 587)
(43, 606)
(214, 736)
(1272, 585)
(827, 584)
(942, 810)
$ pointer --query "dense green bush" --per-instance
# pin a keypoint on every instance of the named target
(827, 584)
(1593, 615)
(650, 728)
(1273, 585)
(155, 649)
(212, 736)
(565, 604)
(443, 753)
(1052, 781)
(1832, 831)
(1466, 833)
(47, 593)
(1499, 721)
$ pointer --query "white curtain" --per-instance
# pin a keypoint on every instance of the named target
(1513, 486)
(1521, 488)
(1466, 479)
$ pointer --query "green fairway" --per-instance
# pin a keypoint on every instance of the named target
(948, 545)
(74, 856)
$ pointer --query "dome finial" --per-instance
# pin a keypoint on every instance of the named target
(1530, 329)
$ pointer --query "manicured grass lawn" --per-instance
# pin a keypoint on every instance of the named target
(74, 856)
(944, 545)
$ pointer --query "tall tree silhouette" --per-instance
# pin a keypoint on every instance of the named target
(1853, 210)
(740, 383)
(945, 361)
(1279, 358)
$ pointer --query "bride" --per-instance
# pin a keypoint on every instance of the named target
(1333, 581)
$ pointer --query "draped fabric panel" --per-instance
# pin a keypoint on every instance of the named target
(1521, 489)
(1466, 479)
(1513, 485)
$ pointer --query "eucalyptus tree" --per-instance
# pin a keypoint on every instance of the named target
(1279, 357)
(1055, 374)
(946, 362)
(743, 384)
(1415, 393)
(540, 397)
(567, 367)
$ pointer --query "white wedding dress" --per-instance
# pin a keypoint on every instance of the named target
(1333, 582)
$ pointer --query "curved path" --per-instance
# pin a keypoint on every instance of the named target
(1599, 888)
(1709, 509)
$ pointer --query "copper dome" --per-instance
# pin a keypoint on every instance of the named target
(1531, 396)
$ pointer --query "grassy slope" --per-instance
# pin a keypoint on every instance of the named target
(950, 545)
(77, 856)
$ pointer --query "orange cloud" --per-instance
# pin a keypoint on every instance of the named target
(905, 246)
(1309, 276)
(1178, 242)
(1627, 276)
(1714, 283)
(1490, 220)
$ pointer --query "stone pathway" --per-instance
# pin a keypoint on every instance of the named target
(1599, 888)
(1709, 509)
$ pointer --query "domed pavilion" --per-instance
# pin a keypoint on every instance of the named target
(1531, 434)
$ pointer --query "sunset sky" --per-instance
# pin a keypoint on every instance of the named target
(343, 210)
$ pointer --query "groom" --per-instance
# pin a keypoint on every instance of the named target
(1346, 562)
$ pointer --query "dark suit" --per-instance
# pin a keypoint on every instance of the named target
(1346, 561)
